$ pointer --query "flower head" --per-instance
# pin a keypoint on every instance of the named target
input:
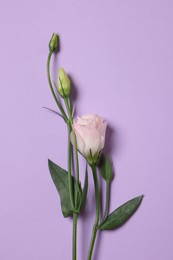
(90, 133)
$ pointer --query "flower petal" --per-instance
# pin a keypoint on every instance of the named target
(80, 142)
(92, 142)
(102, 129)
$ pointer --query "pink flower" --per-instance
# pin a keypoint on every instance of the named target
(90, 133)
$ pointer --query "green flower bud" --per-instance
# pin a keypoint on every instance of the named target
(63, 83)
(53, 44)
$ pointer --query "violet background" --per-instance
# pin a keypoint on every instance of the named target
(120, 57)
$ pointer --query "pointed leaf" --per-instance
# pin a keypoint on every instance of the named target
(119, 216)
(106, 168)
(60, 179)
(54, 112)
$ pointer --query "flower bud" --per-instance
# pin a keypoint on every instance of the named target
(63, 83)
(53, 44)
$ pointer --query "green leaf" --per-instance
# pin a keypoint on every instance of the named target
(106, 168)
(60, 179)
(55, 112)
(85, 188)
(119, 216)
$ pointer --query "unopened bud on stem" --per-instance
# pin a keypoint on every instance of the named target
(63, 84)
(53, 44)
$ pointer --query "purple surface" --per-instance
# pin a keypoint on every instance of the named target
(120, 57)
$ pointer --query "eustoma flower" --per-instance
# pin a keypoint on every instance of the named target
(90, 133)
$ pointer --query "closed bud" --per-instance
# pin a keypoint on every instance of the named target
(63, 83)
(53, 44)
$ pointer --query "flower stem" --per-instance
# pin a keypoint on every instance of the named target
(69, 166)
(51, 88)
(107, 203)
(74, 235)
(74, 138)
(69, 127)
(75, 215)
(94, 230)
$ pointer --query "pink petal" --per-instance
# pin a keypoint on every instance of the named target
(92, 142)
(102, 129)
(80, 142)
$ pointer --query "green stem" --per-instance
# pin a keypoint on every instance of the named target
(74, 235)
(94, 230)
(68, 110)
(51, 87)
(107, 203)
(69, 126)
(69, 166)
(74, 138)
(74, 238)
(75, 216)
